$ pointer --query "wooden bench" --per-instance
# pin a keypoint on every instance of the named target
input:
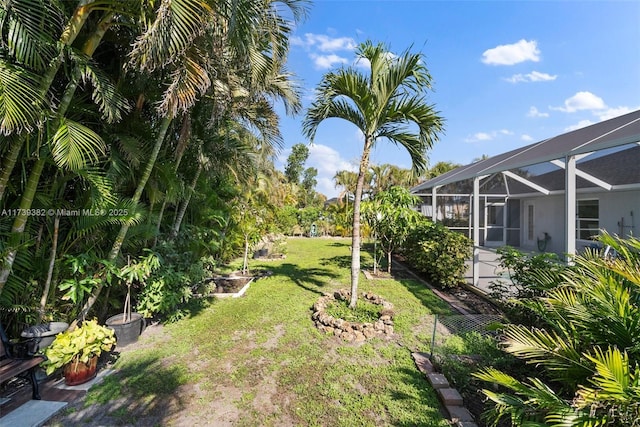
(17, 359)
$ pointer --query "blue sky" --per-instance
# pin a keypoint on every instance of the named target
(505, 74)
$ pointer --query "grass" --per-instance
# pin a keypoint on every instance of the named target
(259, 360)
(365, 311)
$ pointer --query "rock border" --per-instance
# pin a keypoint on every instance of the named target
(353, 331)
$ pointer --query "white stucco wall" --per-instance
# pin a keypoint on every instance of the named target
(549, 217)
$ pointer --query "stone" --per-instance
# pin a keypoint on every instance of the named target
(450, 397)
(388, 329)
(438, 380)
(369, 332)
(459, 413)
(359, 336)
(328, 329)
(423, 363)
(347, 336)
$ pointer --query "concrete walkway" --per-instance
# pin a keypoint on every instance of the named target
(19, 410)
(490, 270)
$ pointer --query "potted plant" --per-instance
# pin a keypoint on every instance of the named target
(77, 350)
(129, 325)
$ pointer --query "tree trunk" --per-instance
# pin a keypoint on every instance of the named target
(355, 233)
(21, 220)
(68, 36)
(117, 244)
(245, 261)
(185, 204)
(34, 177)
(389, 262)
(52, 261)
(9, 163)
(185, 132)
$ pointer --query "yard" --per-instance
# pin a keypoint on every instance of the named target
(259, 360)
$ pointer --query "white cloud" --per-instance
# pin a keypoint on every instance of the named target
(610, 113)
(533, 112)
(487, 136)
(362, 63)
(328, 161)
(480, 136)
(526, 137)
(324, 43)
(534, 76)
(510, 54)
(582, 101)
(327, 61)
(579, 125)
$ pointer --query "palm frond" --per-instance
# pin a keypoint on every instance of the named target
(29, 29)
(105, 95)
(75, 146)
(20, 100)
(558, 354)
(187, 82)
(177, 24)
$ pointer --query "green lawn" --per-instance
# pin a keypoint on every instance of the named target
(259, 360)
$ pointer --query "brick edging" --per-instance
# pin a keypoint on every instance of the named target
(449, 397)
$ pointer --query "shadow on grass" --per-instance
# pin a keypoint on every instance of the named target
(311, 279)
(340, 261)
(426, 296)
(143, 392)
(339, 244)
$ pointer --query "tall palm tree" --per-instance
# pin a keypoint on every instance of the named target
(388, 103)
(190, 42)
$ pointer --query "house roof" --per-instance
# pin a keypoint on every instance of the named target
(616, 168)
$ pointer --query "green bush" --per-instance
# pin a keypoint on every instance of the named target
(438, 252)
(168, 291)
(531, 275)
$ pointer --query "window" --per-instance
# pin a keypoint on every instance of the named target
(587, 219)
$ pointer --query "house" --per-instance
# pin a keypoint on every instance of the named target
(554, 195)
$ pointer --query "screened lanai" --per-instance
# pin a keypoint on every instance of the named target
(554, 195)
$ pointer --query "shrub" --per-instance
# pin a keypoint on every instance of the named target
(530, 277)
(438, 252)
(587, 349)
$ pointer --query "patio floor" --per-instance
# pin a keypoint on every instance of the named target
(490, 269)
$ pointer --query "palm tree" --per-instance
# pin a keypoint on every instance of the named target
(347, 180)
(385, 104)
(205, 49)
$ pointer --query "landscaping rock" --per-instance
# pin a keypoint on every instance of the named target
(351, 331)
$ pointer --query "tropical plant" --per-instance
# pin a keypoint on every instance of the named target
(383, 105)
(78, 344)
(248, 44)
(392, 216)
(588, 350)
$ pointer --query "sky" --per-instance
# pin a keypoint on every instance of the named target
(505, 74)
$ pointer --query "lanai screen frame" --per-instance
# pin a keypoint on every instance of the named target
(563, 151)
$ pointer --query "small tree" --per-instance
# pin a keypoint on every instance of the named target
(392, 216)
(295, 163)
(387, 103)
